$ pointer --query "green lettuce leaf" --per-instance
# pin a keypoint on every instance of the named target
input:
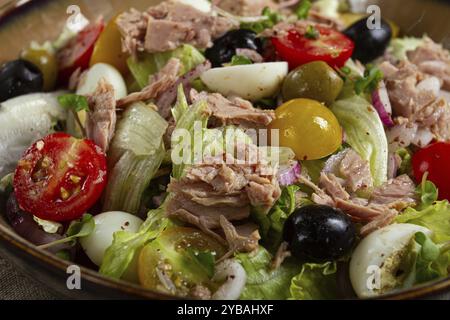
(74, 102)
(136, 153)
(147, 64)
(406, 165)
(262, 282)
(315, 282)
(77, 229)
(431, 262)
(427, 192)
(435, 217)
(365, 133)
(238, 60)
(187, 118)
(127, 244)
(271, 224)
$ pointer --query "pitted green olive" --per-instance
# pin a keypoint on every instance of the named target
(315, 80)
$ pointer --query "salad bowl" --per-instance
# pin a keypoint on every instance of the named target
(38, 20)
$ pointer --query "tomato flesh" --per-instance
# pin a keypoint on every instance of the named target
(60, 177)
(78, 52)
(330, 46)
(434, 160)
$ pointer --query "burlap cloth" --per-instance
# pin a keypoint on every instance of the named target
(16, 286)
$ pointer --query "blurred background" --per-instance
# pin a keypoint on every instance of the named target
(43, 19)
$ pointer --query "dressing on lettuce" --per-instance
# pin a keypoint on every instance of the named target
(364, 133)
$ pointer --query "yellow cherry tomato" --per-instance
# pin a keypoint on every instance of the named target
(170, 257)
(309, 128)
(46, 62)
(108, 48)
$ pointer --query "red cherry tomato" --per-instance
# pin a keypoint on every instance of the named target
(435, 160)
(77, 53)
(329, 46)
(60, 177)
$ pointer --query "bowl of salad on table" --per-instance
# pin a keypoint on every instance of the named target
(226, 150)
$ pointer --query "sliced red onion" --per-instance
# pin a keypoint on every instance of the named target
(289, 175)
(167, 99)
(382, 104)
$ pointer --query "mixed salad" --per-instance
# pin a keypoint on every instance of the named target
(322, 169)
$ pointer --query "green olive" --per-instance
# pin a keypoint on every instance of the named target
(315, 80)
(46, 62)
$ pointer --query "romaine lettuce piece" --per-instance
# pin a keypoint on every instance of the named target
(125, 246)
(262, 282)
(189, 130)
(365, 133)
(315, 282)
(136, 153)
(148, 64)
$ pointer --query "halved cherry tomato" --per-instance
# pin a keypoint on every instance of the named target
(170, 256)
(328, 45)
(435, 160)
(60, 177)
(77, 53)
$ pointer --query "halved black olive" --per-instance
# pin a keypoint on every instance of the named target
(19, 77)
(225, 47)
(370, 42)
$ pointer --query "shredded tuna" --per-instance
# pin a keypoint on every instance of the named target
(167, 98)
(224, 186)
(378, 209)
(233, 111)
(397, 193)
(250, 54)
(158, 84)
(419, 113)
(355, 171)
(244, 241)
(282, 254)
(101, 118)
(245, 8)
(169, 25)
(432, 59)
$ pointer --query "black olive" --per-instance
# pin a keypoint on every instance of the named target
(224, 48)
(319, 233)
(370, 43)
(19, 77)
